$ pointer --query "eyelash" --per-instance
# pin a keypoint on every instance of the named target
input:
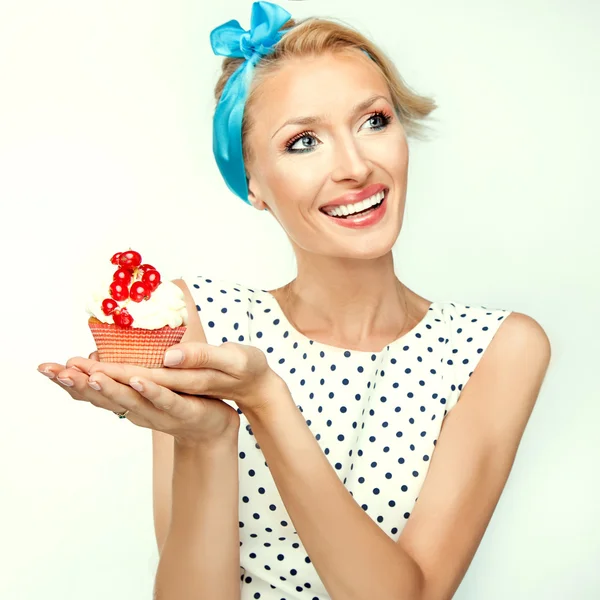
(385, 116)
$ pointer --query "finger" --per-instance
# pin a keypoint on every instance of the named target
(75, 383)
(121, 372)
(94, 355)
(52, 371)
(144, 411)
(78, 363)
(111, 395)
(228, 357)
(82, 364)
(204, 382)
(163, 399)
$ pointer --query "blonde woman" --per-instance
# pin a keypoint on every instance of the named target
(341, 437)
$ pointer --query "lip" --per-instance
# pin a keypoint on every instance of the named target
(354, 197)
(363, 221)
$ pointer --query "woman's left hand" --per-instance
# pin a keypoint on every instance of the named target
(230, 371)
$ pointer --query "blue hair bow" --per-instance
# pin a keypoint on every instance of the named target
(230, 39)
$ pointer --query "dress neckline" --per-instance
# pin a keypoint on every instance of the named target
(417, 328)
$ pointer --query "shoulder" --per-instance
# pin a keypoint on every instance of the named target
(197, 284)
(522, 336)
(194, 331)
(470, 313)
(511, 371)
(522, 355)
(485, 345)
(513, 328)
(221, 302)
(513, 336)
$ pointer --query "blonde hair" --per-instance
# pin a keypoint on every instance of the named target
(315, 36)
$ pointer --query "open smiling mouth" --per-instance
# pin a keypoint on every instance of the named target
(366, 217)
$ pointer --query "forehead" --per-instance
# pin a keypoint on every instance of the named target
(318, 85)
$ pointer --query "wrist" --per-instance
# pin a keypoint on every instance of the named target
(226, 441)
(274, 394)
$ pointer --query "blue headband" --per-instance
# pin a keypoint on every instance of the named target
(230, 39)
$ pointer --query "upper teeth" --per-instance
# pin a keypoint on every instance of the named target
(349, 209)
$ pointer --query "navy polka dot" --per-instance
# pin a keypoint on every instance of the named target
(375, 415)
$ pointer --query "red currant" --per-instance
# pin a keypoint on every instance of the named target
(108, 306)
(122, 318)
(126, 318)
(119, 291)
(152, 279)
(131, 259)
(139, 291)
(122, 275)
(115, 259)
(145, 267)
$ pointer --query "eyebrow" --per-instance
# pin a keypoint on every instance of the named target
(314, 120)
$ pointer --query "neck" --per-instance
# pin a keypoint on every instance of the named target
(350, 303)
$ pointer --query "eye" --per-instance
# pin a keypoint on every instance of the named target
(303, 137)
(307, 141)
(381, 118)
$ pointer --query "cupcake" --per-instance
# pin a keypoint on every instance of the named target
(135, 316)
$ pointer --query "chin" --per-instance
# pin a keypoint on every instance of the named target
(369, 252)
(365, 249)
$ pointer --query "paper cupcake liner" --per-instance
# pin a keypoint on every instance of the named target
(133, 345)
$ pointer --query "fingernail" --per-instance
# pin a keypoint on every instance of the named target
(94, 385)
(136, 384)
(173, 357)
(66, 381)
(47, 373)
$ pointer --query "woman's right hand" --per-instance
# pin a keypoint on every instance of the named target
(191, 420)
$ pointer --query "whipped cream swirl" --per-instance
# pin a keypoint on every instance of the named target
(166, 306)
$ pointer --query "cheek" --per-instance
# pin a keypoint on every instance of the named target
(393, 152)
(297, 181)
(293, 189)
(301, 169)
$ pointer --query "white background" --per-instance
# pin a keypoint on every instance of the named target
(105, 144)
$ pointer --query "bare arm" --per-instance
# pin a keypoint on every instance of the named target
(162, 482)
(354, 558)
(196, 516)
(200, 556)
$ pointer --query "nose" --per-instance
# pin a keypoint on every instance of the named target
(350, 162)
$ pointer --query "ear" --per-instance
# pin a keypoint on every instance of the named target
(254, 198)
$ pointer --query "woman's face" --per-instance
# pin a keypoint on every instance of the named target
(339, 149)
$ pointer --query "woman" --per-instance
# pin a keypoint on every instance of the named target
(339, 385)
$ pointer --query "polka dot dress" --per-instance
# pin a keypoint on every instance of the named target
(375, 415)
